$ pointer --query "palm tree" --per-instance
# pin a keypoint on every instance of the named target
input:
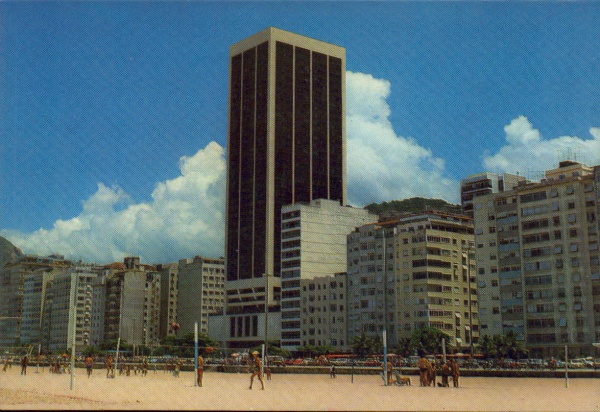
(428, 340)
(363, 345)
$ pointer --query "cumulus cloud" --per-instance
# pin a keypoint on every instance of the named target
(184, 218)
(526, 148)
(383, 166)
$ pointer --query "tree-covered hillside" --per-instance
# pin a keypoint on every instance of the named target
(415, 204)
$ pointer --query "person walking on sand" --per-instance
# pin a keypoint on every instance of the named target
(445, 373)
(145, 366)
(200, 369)
(332, 371)
(423, 365)
(24, 363)
(432, 375)
(455, 373)
(110, 369)
(89, 364)
(255, 368)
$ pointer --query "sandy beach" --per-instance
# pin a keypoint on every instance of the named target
(223, 391)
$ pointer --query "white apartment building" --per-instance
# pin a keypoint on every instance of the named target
(482, 184)
(313, 245)
(415, 272)
(539, 268)
(22, 298)
(201, 292)
(133, 304)
(68, 309)
(324, 312)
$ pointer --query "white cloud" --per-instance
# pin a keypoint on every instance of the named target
(383, 166)
(184, 218)
(528, 153)
(186, 214)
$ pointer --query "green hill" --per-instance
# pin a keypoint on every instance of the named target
(8, 252)
(412, 205)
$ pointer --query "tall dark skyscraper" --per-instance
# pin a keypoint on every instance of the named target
(287, 143)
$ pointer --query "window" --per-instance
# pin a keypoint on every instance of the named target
(531, 197)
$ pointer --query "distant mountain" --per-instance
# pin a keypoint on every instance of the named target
(393, 208)
(8, 252)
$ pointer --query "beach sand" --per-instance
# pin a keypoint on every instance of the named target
(229, 391)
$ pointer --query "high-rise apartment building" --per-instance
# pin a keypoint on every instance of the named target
(286, 144)
(169, 280)
(481, 184)
(133, 304)
(313, 246)
(415, 272)
(69, 308)
(201, 292)
(538, 261)
(20, 315)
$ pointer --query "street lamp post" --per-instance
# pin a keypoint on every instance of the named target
(264, 362)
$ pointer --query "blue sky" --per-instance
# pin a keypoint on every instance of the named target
(113, 115)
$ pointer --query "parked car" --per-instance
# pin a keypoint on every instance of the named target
(576, 364)
(536, 363)
(372, 362)
(522, 364)
(275, 360)
(412, 360)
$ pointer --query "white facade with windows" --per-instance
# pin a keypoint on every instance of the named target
(313, 245)
(547, 279)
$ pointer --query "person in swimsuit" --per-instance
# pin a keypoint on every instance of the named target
(200, 369)
(255, 368)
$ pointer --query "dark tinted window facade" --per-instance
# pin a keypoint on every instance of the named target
(308, 146)
(247, 183)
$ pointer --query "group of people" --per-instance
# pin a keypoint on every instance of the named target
(394, 376)
(428, 372)
(124, 367)
(24, 364)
